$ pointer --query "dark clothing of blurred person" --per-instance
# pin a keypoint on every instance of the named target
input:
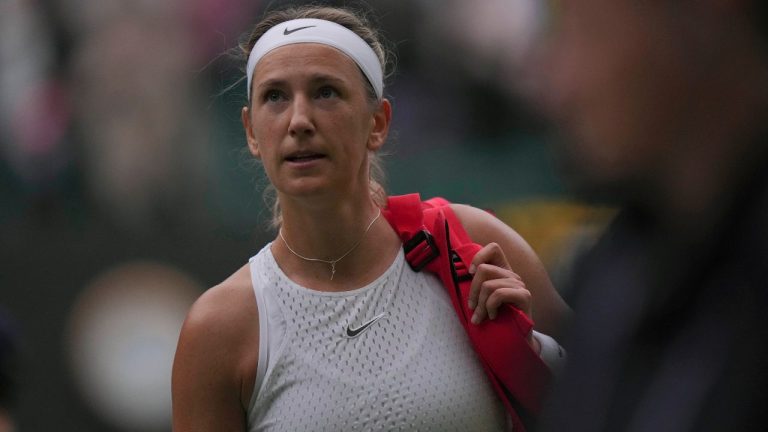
(663, 106)
(670, 332)
(7, 371)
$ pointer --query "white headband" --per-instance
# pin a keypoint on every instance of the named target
(311, 30)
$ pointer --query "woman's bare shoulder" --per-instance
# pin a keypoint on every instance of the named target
(226, 310)
(216, 357)
(221, 328)
(485, 228)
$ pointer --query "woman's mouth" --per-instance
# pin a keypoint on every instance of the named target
(304, 157)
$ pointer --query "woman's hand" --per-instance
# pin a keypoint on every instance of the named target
(494, 284)
(548, 307)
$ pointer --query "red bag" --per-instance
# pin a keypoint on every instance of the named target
(434, 239)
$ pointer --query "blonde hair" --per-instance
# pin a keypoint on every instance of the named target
(359, 24)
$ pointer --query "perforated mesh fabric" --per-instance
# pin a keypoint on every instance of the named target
(412, 369)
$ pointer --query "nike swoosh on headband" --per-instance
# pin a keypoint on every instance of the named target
(355, 332)
(286, 32)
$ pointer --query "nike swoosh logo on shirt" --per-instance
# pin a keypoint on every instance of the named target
(355, 332)
(286, 32)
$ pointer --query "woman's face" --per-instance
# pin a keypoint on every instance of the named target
(311, 122)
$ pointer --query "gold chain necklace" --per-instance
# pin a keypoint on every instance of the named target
(333, 262)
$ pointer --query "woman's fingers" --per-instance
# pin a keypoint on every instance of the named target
(495, 292)
(490, 255)
(494, 284)
(518, 297)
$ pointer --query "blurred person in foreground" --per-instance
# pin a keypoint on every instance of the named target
(664, 110)
(8, 371)
(267, 348)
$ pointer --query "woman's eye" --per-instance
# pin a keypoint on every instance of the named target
(327, 92)
(273, 96)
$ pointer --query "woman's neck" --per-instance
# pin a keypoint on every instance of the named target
(350, 230)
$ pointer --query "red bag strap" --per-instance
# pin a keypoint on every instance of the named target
(406, 214)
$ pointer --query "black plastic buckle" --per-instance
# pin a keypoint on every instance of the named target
(420, 250)
(459, 270)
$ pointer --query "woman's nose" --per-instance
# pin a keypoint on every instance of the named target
(301, 118)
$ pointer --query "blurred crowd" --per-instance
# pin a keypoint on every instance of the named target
(104, 103)
(114, 106)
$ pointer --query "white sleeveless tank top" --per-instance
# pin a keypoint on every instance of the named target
(390, 356)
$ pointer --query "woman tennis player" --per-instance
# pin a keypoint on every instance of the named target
(326, 328)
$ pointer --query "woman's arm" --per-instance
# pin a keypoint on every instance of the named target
(215, 363)
(504, 244)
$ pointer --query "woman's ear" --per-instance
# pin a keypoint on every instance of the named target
(380, 130)
(253, 145)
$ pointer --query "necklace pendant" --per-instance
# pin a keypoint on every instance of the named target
(332, 263)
